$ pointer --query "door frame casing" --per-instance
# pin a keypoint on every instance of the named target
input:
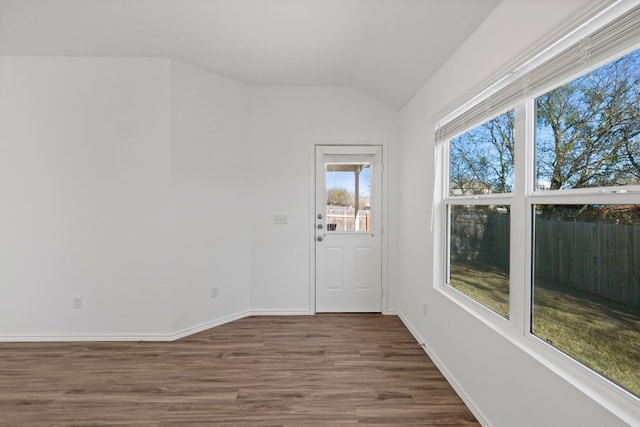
(347, 142)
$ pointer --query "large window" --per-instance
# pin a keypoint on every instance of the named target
(586, 292)
(586, 256)
(554, 187)
(480, 184)
(479, 254)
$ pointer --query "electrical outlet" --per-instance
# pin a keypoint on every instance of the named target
(77, 303)
(424, 309)
(214, 292)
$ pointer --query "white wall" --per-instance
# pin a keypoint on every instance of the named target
(139, 184)
(210, 219)
(123, 182)
(84, 182)
(506, 385)
(285, 123)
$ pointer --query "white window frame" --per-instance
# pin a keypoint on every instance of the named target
(465, 200)
(517, 327)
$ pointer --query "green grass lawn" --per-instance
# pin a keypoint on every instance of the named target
(602, 334)
(487, 285)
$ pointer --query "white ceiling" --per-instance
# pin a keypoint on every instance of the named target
(385, 48)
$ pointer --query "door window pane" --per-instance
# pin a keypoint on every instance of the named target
(586, 290)
(479, 254)
(348, 196)
(481, 160)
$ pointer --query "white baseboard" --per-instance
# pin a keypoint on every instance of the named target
(208, 325)
(84, 338)
(160, 337)
(150, 337)
(442, 367)
(281, 313)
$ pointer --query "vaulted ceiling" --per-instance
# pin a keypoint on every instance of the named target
(385, 48)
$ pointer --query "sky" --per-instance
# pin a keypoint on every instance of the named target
(346, 180)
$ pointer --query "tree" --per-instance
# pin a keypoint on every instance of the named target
(482, 159)
(588, 129)
(339, 197)
(588, 135)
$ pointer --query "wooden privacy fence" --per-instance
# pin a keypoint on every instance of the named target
(602, 258)
(344, 218)
(476, 236)
(598, 257)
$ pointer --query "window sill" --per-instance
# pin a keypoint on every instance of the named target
(615, 399)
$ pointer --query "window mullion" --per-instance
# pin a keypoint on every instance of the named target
(517, 276)
(529, 187)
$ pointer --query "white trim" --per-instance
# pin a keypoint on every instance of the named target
(604, 192)
(517, 263)
(481, 199)
(208, 325)
(151, 337)
(482, 419)
(529, 178)
(281, 313)
(85, 338)
(474, 307)
(310, 226)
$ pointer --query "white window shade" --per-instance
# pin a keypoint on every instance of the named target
(541, 74)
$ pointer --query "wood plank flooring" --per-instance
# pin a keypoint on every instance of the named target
(323, 370)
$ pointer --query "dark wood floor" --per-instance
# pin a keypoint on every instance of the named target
(337, 370)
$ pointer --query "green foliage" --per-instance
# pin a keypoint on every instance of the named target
(340, 197)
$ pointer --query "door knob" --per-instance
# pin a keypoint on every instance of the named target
(319, 238)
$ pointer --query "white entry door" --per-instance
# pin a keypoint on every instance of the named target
(348, 229)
